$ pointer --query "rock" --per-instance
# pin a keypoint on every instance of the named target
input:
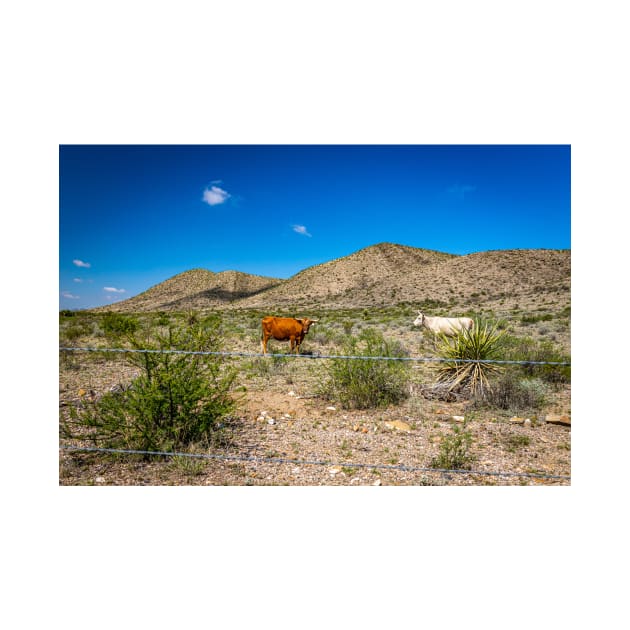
(99, 480)
(553, 418)
(291, 393)
(271, 421)
(527, 422)
(334, 471)
(457, 418)
(377, 482)
(398, 424)
(331, 408)
(517, 420)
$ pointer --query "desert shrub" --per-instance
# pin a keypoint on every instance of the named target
(430, 305)
(513, 392)
(320, 337)
(118, 325)
(187, 465)
(467, 354)
(72, 333)
(516, 442)
(455, 450)
(75, 330)
(533, 319)
(528, 349)
(365, 383)
(272, 365)
(191, 317)
(179, 400)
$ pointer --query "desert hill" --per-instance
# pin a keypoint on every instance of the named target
(196, 289)
(379, 275)
(360, 279)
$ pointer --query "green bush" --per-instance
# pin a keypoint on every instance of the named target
(75, 330)
(455, 451)
(527, 349)
(178, 401)
(117, 325)
(365, 383)
(516, 442)
(533, 319)
(513, 392)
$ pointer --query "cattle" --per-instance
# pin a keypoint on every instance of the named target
(449, 326)
(285, 329)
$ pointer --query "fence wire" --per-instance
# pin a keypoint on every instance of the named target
(311, 356)
(305, 462)
(300, 462)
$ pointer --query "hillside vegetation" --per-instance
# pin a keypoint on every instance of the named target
(197, 289)
(377, 276)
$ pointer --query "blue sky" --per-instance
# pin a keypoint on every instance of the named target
(133, 216)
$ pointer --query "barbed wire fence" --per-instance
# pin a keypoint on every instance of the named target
(307, 462)
(310, 356)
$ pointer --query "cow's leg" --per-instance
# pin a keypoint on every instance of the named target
(263, 343)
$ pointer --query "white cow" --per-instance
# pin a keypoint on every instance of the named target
(444, 325)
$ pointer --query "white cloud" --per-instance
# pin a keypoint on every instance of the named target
(69, 295)
(113, 290)
(301, 229)
(214, 196)
(80, 263)
(77, 280)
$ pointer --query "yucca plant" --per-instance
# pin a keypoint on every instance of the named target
(467, 354)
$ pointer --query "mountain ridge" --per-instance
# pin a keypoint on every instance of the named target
(378, 275)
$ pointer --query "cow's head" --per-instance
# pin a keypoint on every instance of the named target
(419, 321)
(306, 323)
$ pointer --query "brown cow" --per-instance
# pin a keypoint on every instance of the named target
(285, 329)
